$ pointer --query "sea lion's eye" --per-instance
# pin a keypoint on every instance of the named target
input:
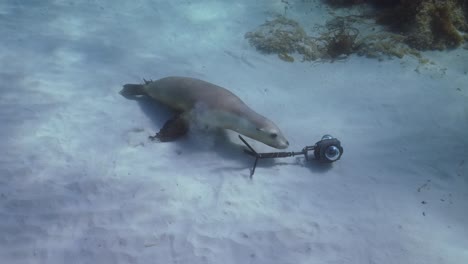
(273, 135)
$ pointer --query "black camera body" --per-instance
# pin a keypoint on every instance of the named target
(327, 150)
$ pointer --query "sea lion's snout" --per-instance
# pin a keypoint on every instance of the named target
(282, 144)
(272, 137)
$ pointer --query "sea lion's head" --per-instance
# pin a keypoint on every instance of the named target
(272, 136)
(261, 129)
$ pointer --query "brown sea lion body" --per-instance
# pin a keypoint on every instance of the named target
(210, 105)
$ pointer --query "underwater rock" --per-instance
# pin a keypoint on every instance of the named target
(427, 24)
(436, 25)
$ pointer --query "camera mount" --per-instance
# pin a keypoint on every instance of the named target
(327, 150)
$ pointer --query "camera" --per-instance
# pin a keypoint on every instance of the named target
(327, 150)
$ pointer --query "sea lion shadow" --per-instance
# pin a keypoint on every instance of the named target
(312, 165)
(157, 113)
(317, 167)
(218, 142)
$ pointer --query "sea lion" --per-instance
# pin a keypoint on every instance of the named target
(208, 105)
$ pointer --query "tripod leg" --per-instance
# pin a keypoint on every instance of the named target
(253, 169)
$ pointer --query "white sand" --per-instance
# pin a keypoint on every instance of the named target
(81, 183)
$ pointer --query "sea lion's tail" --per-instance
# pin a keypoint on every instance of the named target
(132, 90)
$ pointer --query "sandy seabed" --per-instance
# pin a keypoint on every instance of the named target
(81, 183)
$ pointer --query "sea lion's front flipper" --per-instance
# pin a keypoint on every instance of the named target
(173, 129)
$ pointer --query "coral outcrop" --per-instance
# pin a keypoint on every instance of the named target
(428, 24)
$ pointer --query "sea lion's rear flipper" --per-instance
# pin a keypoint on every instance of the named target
(173, 129)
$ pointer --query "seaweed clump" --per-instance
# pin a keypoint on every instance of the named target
(284, 37)
(339, 38)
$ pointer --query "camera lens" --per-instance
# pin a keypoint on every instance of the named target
(332, 153)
